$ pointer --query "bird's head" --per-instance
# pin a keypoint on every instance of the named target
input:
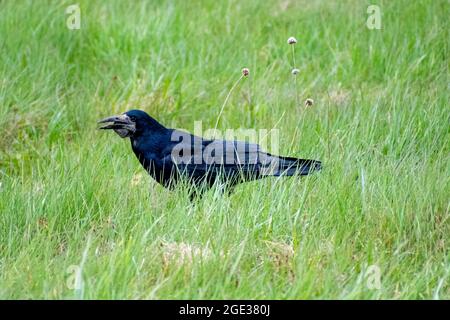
(130, 123)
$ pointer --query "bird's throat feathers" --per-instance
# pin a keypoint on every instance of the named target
(148, 141)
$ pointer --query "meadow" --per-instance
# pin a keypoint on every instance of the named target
(80, 219)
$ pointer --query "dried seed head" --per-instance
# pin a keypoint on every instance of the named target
(292, 40)
(295, 71)
(245, 72)
(309, 102)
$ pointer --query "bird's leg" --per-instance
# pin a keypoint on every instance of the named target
(195, 193)
(193, 196)
(227, 188)
(230, 190)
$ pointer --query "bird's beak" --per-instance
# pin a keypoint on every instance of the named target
(121, 124)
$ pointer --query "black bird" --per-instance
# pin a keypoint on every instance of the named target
(171, 155)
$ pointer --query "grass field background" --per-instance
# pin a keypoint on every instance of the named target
(79, 217)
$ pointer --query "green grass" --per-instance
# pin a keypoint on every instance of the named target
(71, 195)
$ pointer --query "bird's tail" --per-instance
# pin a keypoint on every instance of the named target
(287, 166)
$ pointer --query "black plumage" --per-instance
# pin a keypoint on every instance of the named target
(170, 155)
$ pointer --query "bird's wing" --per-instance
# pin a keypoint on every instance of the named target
(197, 156)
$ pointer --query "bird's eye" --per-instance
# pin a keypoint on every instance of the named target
(133, 118)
